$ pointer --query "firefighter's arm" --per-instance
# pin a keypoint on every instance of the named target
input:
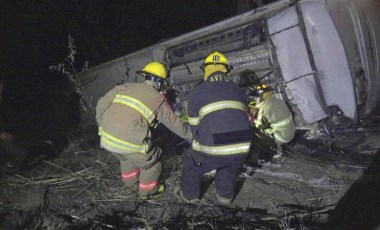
(104, 103)
(166, 116)
(258, 121)
(254, 112)
(193, 115)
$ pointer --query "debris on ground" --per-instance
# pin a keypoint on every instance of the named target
(81, 188)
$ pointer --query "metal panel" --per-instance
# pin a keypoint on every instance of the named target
(108, 75)
(358, 23)
(295, 65)
(330, 59)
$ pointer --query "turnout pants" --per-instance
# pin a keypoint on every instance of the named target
(263, 147)
(142, 168)
(195, 164)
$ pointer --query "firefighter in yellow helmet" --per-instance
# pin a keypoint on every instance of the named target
(126, 115)
(213, 63)
(272, 120)
(221, 133)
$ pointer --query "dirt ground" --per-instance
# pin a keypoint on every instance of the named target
(80, 188)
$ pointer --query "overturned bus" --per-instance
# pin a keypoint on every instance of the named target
(320, 56)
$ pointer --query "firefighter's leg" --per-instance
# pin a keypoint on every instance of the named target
(278, 151)
(128, 168)
(129, 172)
(192, 172)
(150, 170)
(226, 177)
(255, 150)
(266, 146)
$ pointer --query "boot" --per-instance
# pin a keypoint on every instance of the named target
(161, 189)
(222, 200)
(179, 195)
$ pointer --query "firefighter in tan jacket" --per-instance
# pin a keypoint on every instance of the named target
(125, 116)
(272, 119)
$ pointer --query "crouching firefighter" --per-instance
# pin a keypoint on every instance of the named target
(126, 115)
(272, 121)
(221, 132)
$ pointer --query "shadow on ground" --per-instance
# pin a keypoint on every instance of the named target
(360, 205)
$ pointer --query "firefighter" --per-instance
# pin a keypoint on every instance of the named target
(126, 116)
(272, 120)
(221, 133)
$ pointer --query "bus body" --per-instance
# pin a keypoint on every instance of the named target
(321, 57)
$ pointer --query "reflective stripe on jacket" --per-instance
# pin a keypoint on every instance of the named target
(218, 118)
(222, 150)
(147, 113)
(214, 107)
(282, 123)
(126, 113)
(120, 145)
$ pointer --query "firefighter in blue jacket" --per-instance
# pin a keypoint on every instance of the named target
(221, 131)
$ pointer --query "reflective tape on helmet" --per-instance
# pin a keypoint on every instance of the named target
(122, 145)
(137, 105)
(222, 150)
(215, 107)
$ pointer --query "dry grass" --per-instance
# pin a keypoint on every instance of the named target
(89, 180)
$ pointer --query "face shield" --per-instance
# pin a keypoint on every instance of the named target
(252, 95)
(156, 82)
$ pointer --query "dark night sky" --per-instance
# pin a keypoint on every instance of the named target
(35, 32)
(34, 37)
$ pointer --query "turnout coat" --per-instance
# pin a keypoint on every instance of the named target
(126, 113)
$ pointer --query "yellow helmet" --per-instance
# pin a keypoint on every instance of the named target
(261, 88)
(155, 68)
(216, 58)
